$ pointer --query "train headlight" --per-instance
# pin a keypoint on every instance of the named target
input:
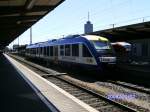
(107, 59)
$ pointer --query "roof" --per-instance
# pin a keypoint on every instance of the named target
(126, 33)
(68, 40)
(16, 16)
(94, 37)
(121, 43)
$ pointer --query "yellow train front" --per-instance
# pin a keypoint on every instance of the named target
(84, 51)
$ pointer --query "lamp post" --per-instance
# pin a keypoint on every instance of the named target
(31, 35)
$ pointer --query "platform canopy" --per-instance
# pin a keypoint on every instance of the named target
(16, 16)
(126, 33)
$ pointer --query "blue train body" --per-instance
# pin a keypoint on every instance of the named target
(89, 51)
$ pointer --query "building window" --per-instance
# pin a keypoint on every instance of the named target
(51, 50)
(144, 49)
(67, 50)
(62, 50)
(85, 51)
(75, 50)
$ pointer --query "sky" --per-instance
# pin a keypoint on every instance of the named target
(70, 17)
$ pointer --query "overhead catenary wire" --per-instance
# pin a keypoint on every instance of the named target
(83, 18)
(101, 15)
(100, 12)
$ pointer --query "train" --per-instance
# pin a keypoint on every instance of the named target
(84, 51)
(123, 51)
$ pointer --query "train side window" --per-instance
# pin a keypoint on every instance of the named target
(28, 51)
(34, 51)
(38, 50)
(61, 50)
(75, 49)
(41, 50)
(51, 50)
(31, 50)
(47, 53)
(44, 51)
(67, 50)
(85, 51)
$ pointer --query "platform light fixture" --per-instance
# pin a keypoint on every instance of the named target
(30, 35)
(18, 22)
(31, 4)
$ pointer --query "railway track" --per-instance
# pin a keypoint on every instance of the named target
(131, 86)
(92, 98)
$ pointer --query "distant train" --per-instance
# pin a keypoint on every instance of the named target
(84, 51)
(123, 51)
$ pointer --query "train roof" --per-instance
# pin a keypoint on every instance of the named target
(71, 39)
(121, 43)
(94, 37)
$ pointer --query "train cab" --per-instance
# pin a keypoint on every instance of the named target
(103, 48)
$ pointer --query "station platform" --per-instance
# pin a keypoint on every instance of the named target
(24, 90)
(15, 94)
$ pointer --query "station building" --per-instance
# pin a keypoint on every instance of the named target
(141, 49)
(138, 35)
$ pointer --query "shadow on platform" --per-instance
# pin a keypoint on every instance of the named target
(15, 94)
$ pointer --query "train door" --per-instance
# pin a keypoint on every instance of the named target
(55, 54)
(87, 57)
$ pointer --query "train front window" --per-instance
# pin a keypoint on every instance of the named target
(101, 45)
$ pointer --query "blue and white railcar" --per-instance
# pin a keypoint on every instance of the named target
(87, 51)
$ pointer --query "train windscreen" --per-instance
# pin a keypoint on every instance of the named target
(103, 47)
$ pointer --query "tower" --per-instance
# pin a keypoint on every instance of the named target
(88, 27)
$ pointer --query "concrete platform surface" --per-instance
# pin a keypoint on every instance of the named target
(15, 94)
(62, 100)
